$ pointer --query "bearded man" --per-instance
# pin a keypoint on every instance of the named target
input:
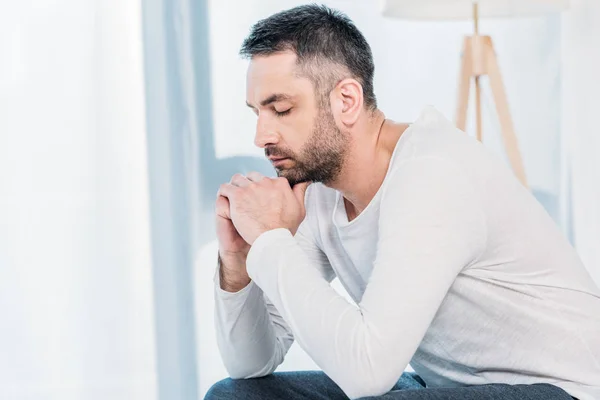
(453, 266)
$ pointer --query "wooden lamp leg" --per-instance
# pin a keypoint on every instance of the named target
(508, 134)
(477, 70)
(478, 109)
(464, 82)
(479, 59)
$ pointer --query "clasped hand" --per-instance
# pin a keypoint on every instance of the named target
(257, 204)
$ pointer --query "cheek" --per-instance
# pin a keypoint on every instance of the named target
(296, 132)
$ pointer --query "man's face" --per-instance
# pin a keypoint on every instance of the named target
(295, 125)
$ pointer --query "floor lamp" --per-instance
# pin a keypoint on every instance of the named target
(478, 55)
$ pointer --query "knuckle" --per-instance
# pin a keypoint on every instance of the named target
(282, 181)
(254, 177)
(237, 177)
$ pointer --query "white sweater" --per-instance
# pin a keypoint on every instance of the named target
(455, 268)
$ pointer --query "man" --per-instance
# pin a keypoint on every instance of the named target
(453, 265)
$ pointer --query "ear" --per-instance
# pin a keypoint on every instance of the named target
(348, 101)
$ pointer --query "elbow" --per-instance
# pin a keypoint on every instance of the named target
(255, 368)
(238, 373)
(374, 371)
(370, 389)
(367, 385)
(248, 372)
(249, 361)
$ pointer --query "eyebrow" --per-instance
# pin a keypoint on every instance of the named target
(272, 99)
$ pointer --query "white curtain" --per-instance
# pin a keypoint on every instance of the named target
(75, 272)
(581, 126)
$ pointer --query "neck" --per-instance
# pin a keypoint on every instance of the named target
(367, 161)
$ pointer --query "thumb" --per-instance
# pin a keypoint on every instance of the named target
(222, 207)
(299, 190)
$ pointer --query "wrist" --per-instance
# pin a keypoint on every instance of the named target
(233, 257)
(232, 272)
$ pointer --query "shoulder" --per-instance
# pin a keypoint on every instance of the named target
(433, 198)
(422, 180)
(432, 134)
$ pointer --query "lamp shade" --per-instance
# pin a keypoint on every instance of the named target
(463, 9)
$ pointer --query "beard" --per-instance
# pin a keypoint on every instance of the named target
(322, 157)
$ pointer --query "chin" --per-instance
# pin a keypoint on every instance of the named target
(294, 183)
(293, 180)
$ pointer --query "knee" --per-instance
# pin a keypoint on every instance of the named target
(222, 390)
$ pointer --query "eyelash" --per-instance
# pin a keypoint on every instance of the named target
(282, 113)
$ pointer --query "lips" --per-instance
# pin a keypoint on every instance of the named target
(278, 161)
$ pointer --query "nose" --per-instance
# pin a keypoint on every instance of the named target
(266, 134)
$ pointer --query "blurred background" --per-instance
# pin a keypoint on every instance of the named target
(120, 118)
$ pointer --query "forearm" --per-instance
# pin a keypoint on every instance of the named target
(251, 339)
(232, 272)
(341, 338)
(363, 348)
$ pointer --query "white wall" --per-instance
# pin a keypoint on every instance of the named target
(75, 273)
(581, 127)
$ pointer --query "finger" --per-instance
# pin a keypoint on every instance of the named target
(222, 207)
(282, 182)
(240, 180)
(255, 176)
(299, 190)
(228, 190)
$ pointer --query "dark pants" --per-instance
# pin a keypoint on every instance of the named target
(315, 385)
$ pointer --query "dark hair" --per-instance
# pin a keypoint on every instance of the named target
(319, 36)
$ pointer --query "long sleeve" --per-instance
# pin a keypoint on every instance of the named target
(430, 227)
(252, 336)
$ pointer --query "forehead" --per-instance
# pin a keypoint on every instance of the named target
(275, 73)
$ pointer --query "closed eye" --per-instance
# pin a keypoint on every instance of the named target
(282, 113)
